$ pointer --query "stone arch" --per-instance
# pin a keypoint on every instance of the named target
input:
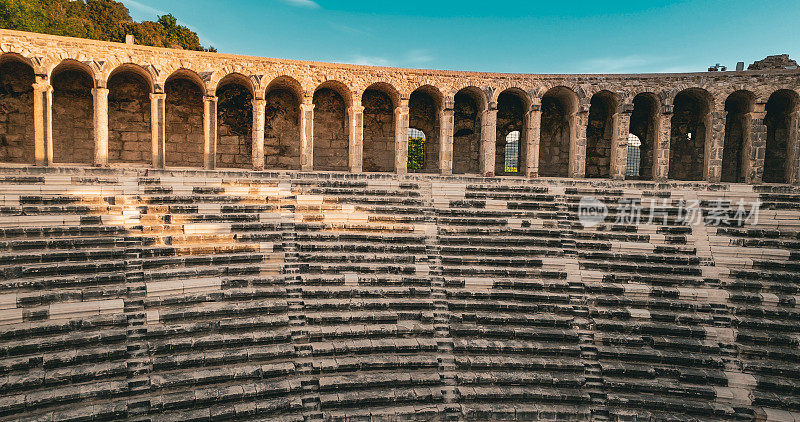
(468, 105)
(645, 126)
(559, 105)
(331, 135)
(424, 106)
(781, 123)
(379, 101)
(691, 124)
(234, 147)
(736, 144)
(129, 118)
(512, 106)
(73, 113)
(184, 117)
(284, 95)
(600, 133)
(16, 109)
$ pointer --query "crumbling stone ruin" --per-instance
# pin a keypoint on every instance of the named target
(196, 236)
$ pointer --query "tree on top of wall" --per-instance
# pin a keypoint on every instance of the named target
(104, 20)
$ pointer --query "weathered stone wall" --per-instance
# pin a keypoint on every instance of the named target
(129, 133)
(73, 123)
(98, 60)
(235, 110)
(599, 134)
(331, 142)
(688, 138)
(184, 108)
(466, 135)
(554, 143)
(423, 115)
(378, 131)
(282, 130)
(778, 122)
(643, 125)
(510, 117)
(16, 113)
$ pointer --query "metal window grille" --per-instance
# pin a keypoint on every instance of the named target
(512, 152)
(634, 156)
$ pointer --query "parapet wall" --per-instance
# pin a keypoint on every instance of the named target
(212, 110)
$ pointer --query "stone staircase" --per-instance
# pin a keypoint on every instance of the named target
(213, 295)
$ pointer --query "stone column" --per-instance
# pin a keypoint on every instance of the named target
(715, 139)
(43, 121)
(661, 148)
(577, 142)
(755, 145)
(307, 134)
(100, 125)
(401, 137)
(488, 140)
(209, 132)
(259, 115)
(793, 145)
(446, 123)
(533, 129)
(158, 125)
(355, 119)
(619, 145)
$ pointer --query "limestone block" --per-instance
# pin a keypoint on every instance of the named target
(10, 316)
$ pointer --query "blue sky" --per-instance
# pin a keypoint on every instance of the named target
(579, 36)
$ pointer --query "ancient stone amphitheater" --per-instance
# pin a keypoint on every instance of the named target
(197, 236)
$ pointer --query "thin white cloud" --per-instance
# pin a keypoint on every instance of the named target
(310, 4)
(369, 60)
(626, 64)
(418, 56)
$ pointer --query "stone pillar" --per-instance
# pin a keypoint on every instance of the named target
(662, 142)
(533, 130)
(577, 142)
(307, 134)
(446, 123)
(619, 145)
(755, 145)
(401, 123)
(209, 132)
(355, 119)
(715, 140)
(158, 125)
(259, 115)
(488, 140)
(793, 145)
(43, 121)
(100, 95)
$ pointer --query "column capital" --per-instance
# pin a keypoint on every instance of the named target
(42, 86)
(259, 101)
(158, 95)
(402, 110)
(307, 99)
(306, 107)
(210, 98)
(667, 109)
(626, 108)
(355, 108)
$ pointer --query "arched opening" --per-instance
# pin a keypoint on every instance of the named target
(634, 157)
(469, 104)
(780, 106)
(737, 130)
(73, 114)
(559, 105)
(235, 124)
(184, 108)
(416, 150)
(16, 111)
(424, 105)
(509, 152)
(688, 136)
(331, 138)
(379, 142)
(129, 131)
(282, 124)
(644, 126)
(600, 134)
